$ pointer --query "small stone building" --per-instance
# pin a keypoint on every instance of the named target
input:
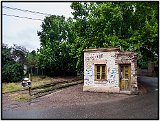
(110, 70)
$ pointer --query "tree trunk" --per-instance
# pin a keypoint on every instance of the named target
(42, 71)
(37, 71)
(31, 70)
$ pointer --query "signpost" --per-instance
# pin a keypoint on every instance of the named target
(26, 82)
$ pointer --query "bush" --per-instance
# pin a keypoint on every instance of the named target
(12, 72)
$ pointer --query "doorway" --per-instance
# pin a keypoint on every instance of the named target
(124, 76)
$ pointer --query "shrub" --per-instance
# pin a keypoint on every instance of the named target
(12, 72)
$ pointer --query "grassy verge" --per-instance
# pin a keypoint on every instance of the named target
(36, 82)
(40, 87)
(23, 97)
(11, 87)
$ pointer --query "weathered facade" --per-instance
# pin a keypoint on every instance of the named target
(110, 70)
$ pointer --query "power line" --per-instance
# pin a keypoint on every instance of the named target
(22, 17)
(25, 10)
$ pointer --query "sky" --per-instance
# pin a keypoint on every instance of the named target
(22, 31)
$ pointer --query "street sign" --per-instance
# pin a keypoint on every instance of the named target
(26, 82)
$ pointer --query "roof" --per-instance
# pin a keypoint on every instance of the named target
(126, 53)
(101, 50)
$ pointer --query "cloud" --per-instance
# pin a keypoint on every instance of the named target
(24, 34)
(31, 40)
(24, 31)
(27, 38)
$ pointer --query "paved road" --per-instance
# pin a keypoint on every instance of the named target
(151, 81)
(136, 107)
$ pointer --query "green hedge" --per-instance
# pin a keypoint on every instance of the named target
(12, 72)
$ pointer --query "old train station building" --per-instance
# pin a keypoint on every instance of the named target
(110, 70)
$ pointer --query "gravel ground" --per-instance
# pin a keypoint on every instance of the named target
(73, 95)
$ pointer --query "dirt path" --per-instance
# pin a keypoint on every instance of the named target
(68, 96)
(73, 95)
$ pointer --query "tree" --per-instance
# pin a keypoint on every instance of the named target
(18, 53)
(55, 37)
(6, 55)
(12, 72)
(132, 26)
(31, 61)
(12, 63)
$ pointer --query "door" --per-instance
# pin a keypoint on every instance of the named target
(125, 76)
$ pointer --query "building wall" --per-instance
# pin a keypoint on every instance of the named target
(112, 61)
(129, 58)
(108, 58)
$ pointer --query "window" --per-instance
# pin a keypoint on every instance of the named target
(125, 71)
(100, 72)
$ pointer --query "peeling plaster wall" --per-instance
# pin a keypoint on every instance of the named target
(112, 61)
(108, 58)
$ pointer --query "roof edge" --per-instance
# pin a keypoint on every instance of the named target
(102, 50)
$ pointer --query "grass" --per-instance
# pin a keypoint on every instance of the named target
(36, 82)
(23, 97)
(11, 87)
(40, 87)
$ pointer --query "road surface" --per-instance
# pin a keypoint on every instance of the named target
(135, 107)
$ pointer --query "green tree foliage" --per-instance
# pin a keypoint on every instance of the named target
(12, 63)
(12, 72)
(18, 53)
(6, 55)
(31, 61)
(131, 26)
(54, 53)
(31, 58)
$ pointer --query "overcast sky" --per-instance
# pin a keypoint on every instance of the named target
(22, 31)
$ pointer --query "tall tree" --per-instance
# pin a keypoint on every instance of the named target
(131, 26)
(31, 61)
(12, 63)
(18, 53)
(54, 53)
